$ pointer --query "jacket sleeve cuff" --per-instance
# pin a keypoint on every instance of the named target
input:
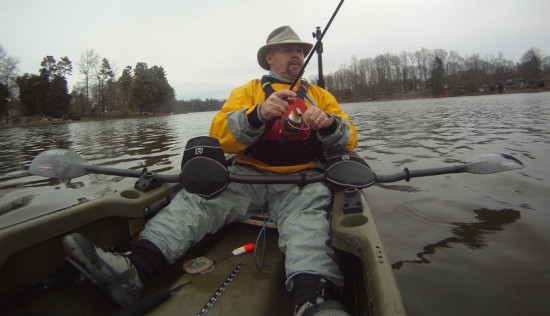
(331, 128)
(254, 117)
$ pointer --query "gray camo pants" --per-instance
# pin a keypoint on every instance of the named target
(301, 217)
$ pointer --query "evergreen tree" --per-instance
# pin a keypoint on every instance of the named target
(151, 92)
(4, 101)
(54, 95)
(29, 93)
(438, 76)
(142, 88)
(64, 67)
(48, 67)
(105, 77)
(57, 102)
(125, 84)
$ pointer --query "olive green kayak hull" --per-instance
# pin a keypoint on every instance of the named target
(35, 278)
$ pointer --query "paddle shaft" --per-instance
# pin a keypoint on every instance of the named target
(64, 164)
(304, 179)
(407, 174)
(132, 173)
(277, 179)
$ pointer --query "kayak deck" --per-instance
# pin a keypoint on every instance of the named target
(252, 291)
(370, 285)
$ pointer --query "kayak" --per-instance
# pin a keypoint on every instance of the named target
(219, 275)
(36, 279)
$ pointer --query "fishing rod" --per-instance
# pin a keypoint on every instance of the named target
(317, 45)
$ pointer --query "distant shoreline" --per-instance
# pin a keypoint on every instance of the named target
(38, 121)
(414, 96)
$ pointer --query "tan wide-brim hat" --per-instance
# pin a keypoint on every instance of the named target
(280, 36)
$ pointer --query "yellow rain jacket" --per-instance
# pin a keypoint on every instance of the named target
(237, 126)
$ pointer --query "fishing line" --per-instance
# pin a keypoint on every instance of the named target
(260, 265)
(299, 127)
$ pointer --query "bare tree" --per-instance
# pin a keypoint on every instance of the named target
(89, 61)
(397, 72)
(366, 73)
(409, 73)
(8, 69)
(531, 65)
(453, 68)
(437, 71)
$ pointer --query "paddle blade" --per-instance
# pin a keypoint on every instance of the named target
(493, 163)
(59, 164)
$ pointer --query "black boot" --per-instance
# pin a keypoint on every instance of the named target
(314, 295)
(147, 258)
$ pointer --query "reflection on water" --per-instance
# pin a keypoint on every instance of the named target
(469, 234)
(156, 143)
(466, 233)
(450, 130)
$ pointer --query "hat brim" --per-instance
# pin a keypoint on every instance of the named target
(264, 50)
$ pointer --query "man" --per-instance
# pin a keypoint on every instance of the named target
(254, 123)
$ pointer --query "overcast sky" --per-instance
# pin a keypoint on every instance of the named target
(208, 47)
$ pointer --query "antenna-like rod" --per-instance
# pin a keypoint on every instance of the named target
(317, 45)
(321, 80)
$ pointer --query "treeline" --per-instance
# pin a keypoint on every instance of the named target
(435, 72)
(142, 89)
(139, 89)
(46, 93)
(197, 105)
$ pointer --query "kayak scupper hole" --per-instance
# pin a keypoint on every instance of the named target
(130, 194)
(354, 220)
(380, 257)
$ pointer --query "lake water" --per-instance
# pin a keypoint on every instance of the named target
(460, 244)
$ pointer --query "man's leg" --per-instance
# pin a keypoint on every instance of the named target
(166, 237)
(313, 276)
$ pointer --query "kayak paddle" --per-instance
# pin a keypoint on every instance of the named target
(65, 164)
(489, 163)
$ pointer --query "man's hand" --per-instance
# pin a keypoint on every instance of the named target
(277, 104)
(316, 118)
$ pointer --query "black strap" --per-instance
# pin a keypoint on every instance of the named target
(293, 153)
(268, 89)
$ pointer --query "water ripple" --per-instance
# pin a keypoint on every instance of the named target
(431, 226)
(155, 143)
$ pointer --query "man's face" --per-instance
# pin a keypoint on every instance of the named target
(286, 60)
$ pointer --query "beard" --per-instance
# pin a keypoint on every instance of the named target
(293, 69)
